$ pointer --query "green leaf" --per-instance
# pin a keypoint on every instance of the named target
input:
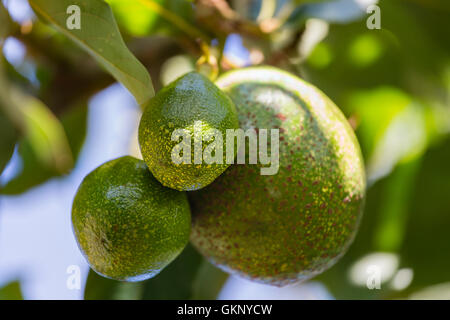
(5, 22)
(11, 291)
(8, 139)
(208, 282)
(174, 282)
(100, 36)
(360, 58)
(100, 288)
(35, 172)
(384, 114)
(148, 17)
(44, 133)
(8, 132)
(427, 235)
(389, 230)
(137, 19)
(41, 131)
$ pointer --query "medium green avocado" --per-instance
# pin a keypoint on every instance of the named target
(127, 225)
(283, 228)
(191, 103)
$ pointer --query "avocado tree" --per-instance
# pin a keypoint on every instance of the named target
(338, 157)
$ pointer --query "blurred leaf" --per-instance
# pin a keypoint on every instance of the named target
(143, 18)
(34, 172)
(424, 56)
(174, 282)
(208, 282)
(352, 57)
(8, 139)
(11, 291)
(100, 288)
(427, 238)
(338, 11)
(365, 50)
(393, 213)
(5, 22)
(397, 15)
(44, 146)
(375, 110)
(392, 127)
(136, 19)
(44, 133)
(405, 139)
(75, 125)
(100, 36)
(8, 132)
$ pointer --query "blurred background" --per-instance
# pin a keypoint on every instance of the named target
(385, 63)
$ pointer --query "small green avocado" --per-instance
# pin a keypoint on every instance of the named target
(127, 225)
(286, 227)
(181, 130)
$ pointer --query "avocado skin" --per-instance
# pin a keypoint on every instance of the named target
(127, 225)
(179, 105)
(291, 226)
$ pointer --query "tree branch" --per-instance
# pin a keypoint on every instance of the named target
(217, 16)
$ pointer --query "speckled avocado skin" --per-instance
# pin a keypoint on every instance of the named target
(291, 226)
(179, 105)
(127, 225)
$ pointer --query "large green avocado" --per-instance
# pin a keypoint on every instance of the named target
(127, 225)
(194, 104)
(283, 228)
